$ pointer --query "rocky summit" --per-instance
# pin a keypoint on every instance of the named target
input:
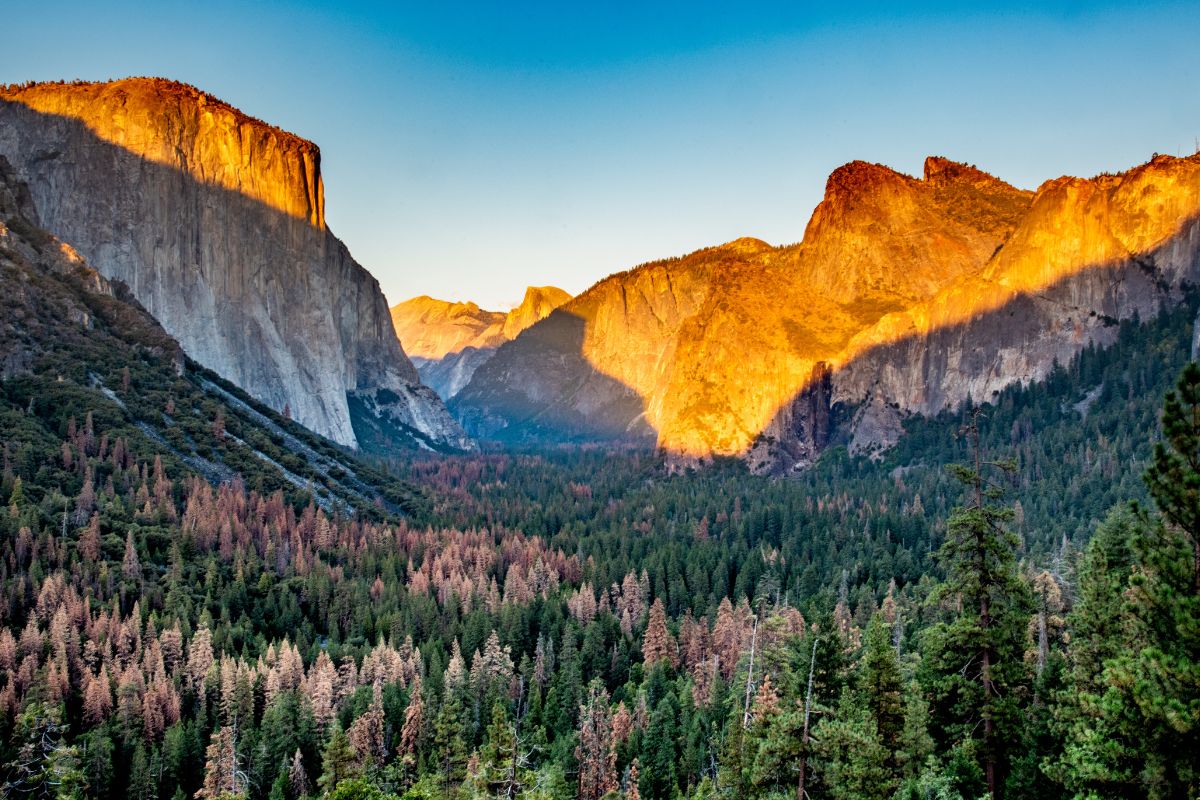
(216, 222)
(906, 295)
(449, 341)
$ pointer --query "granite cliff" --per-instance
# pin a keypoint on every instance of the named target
(905, 296)
(449, 341)
(216, 222)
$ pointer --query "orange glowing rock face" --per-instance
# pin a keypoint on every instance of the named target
(717, 343)
(176, 125)
(433, 329)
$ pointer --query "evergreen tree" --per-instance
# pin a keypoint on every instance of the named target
(880, 684)
(141, 779)
(297, 776)
(658, 757)
(338, 760)
(852, 758)
(450, 740)
(974, 664)
(1097, 721)
(596, 754)
(44, 765)
(223, 774)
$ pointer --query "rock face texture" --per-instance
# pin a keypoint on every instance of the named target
(216, 222)
(905, 296)
(449, 341)
(43, 287)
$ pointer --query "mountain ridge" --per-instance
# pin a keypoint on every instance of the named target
(740, 352)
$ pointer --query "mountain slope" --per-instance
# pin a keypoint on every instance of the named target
(905, 296)
(449, 341)
(216, 222)
(76, 345)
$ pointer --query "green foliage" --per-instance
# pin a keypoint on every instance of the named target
(267, 538)
(851, 753)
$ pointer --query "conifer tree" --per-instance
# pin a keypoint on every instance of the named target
(657, 643)
(853, 761)
(596, 753)
(1102, 749)
(338, 760)
(43, 765)
(975, 662)
(659, 757)
(880, 683)
(450, 739)
(223, 773)
(297, 776)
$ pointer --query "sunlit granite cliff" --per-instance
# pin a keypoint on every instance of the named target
(216, 222)
(449, 341)
(905, 296)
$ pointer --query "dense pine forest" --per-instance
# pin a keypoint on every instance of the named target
(202, 600)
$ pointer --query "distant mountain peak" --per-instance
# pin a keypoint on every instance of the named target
(745, 246)
(432, 329)
(940, 171)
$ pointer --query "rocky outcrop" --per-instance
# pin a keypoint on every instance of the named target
(449, 341)
(216, 222)
(905, 296)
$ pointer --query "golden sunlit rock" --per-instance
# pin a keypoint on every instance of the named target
(433, 329)
(741, 349)
(205, 138)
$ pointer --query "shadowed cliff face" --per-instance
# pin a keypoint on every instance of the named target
(216, 222)
(537, 391)
(905, 296)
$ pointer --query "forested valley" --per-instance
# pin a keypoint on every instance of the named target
(1006, 602)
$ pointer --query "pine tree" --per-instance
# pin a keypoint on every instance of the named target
(43, 765)
(1174, 477)
(596, 753)
(450, 739)
(880, 683)
(975, 663)
(297, 776)
(852, 756)
(223, 774)
(657, 643)
(367, 733)
(338, 760)
(141, 779)
(1098, 722)
(1135, 729)
(279, 786)
(659, 757)
(504, 761)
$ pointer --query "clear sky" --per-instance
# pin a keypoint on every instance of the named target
(472, 149)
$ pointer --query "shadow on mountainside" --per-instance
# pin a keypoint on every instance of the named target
(302, 329)
(542, 388)
(270, 300)
(863, 401)
(543, 391)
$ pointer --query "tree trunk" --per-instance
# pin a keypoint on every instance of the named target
(986, 675)
(807, 711)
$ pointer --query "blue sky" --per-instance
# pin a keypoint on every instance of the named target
(472, 149)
